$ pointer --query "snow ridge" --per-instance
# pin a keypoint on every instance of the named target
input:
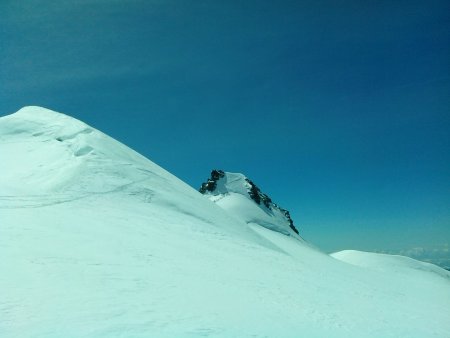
(224, 185)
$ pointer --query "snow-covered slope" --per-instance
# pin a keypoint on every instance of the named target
(50, 158)
(391, 264)
(97, 241)
(241, 197)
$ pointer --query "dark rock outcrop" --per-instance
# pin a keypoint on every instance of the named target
(211, 184)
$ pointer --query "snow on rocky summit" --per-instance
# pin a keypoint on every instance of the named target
(239, 195)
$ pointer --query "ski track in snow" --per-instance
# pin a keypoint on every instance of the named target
(38, 201)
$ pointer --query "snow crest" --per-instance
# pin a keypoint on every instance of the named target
(240, 196)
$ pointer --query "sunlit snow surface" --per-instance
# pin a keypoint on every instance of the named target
(97, 241)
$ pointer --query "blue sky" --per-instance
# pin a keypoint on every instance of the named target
(339, 110)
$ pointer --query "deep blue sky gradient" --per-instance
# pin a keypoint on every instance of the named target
(339, 110)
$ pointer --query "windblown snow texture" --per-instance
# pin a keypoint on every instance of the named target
(98, 241)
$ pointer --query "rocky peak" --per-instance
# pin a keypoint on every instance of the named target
(222, 183)
(211, 183)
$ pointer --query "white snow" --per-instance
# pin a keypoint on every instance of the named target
(97, 241)
(389, 263)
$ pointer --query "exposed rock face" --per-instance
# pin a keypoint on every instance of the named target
(238, 183)
(211, 184)
(258, 196)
